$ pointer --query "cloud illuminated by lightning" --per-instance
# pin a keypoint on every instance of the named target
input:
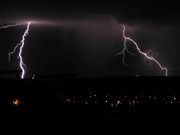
(20, 45)
(123, 52)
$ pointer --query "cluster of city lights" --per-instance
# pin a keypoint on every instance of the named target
(119, 100)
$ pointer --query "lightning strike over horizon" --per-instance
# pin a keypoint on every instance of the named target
(123, 52)
(20, 45)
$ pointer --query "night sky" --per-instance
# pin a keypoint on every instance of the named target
(84, 37)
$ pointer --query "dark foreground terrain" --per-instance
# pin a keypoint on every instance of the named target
(112, 104)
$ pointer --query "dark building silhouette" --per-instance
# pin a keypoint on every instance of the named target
(10, 74)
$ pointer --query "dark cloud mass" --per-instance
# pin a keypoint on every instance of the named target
(84, 37)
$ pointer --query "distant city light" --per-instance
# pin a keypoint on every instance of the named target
(118, 102)
(16, 102)
(33, 77)
(68, 100)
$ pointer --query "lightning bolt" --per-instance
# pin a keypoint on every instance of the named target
(13, 25)
(20, 45)
(123, 52)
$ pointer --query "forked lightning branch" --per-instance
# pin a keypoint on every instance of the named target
(19, 46)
